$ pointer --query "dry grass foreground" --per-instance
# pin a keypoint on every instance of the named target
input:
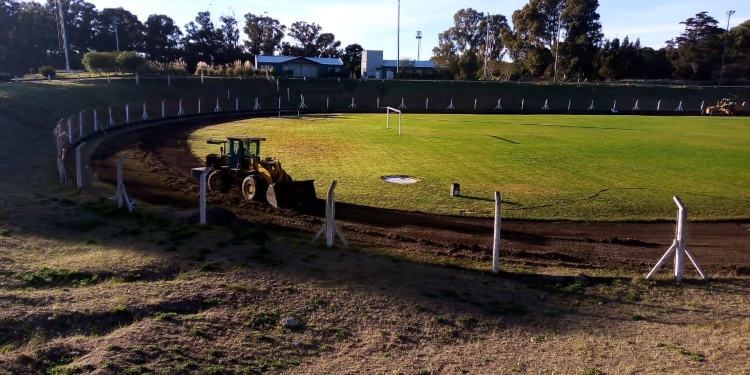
(85, 289)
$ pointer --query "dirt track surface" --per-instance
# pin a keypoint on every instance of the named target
(158, 170)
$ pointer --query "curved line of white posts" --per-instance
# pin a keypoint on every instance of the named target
(679, 247)
(329, 226)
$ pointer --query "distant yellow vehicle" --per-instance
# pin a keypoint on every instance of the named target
(725, 107)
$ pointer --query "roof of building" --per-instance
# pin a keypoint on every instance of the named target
(262, 59)
(407, 64)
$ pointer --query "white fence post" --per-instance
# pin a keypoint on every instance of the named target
(217, 109)
(127, 113)
(199, 106)
(80, 125)
(236, 103)
(163, 108)
(329, 227)
(96, 122)
(679, 247)
(496, 239)
(121, 195)
(70, 130)
(111, 119)
(203, 182)
(79, 166)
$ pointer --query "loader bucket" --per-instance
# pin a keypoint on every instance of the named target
(295, 195)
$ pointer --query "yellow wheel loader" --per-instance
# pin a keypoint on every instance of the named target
(239, 164)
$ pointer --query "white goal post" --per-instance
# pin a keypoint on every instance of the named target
(388, 111)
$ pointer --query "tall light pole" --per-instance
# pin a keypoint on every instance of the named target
(557, 42)
(487, 46)
(726, 43)
(419, 43)
(116, 24)
(398, 38)
(64, 35)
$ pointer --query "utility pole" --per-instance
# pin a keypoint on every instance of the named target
(116, 23)
(487, 46)
(64, 36)
(557, 42)
(419, 43)
(398, 38)
(726, 43)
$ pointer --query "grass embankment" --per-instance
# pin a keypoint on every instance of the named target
(547, 167)
(87, 289)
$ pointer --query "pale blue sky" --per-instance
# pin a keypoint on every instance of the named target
(373, 23)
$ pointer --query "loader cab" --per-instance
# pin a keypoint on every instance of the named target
(241, 150)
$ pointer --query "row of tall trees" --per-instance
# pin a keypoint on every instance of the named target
(30, 36)
(562, 40)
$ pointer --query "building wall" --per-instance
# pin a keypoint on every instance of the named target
(372, 62)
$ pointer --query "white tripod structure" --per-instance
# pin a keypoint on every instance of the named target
(499, 106)
(352, 106)
(450, 106)
(546, 105)
(330, 229)
(679, 248)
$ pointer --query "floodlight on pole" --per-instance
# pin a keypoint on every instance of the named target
(419, 43)
(726, 43)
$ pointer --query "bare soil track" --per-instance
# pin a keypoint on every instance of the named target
(158, 170)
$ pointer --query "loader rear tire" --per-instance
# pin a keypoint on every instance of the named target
(254, 188)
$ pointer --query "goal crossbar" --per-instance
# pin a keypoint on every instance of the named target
(388, 111)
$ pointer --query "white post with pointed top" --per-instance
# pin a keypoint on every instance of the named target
(679, 247)
(121, 195)
(496, 238)
(329, 227)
